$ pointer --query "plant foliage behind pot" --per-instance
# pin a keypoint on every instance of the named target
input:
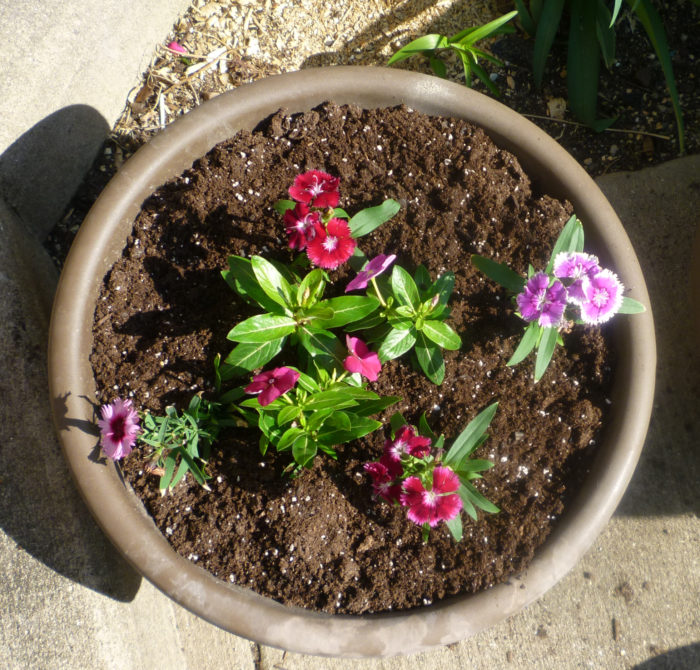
(121, 515)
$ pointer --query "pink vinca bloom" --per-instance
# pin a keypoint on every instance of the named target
(316, 188)
(602, 297)
(361, 359)
(578, 267)
(383, 482)
(174, 46)
(374, 268)
(406, 442)
(119, 427)
(542, 302)
(301, 225)
(272, 384)
(440, 503)
(331, 246)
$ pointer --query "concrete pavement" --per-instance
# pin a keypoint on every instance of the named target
(67, 601)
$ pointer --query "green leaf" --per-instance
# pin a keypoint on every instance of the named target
(252, 355)
(340, 213)
(570, 239)
(311, 288)
(318, 418)
(320, 342)
(616, 10)
(492, 26)
(547, 28)
(440, 333)
(583, 61)
(657, 36)
(437, 65)
(468, 440)
(331, 434)
(396, 343)
(442, 287)
(605, 34)
(281, 206)
(288, 437)
(262, 328)
(370, 407)
(349, 308)
(545, 350)
(631, 306)
(455, 527)
(526, 20)
(424, 43)
(396, 421)
(469, 494)
(272, 282)
(404, 288)
(500, 273)
(304, 449)
(288, 413)
(430, 359)
(366, 220)
(422, 279)
(472, 465)
(527, 343)
(330, 399)
(241, 278)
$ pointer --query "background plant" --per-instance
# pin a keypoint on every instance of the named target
(591, 37)
(464, 45)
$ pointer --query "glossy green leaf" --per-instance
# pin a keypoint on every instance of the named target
(440, 333)
(442, 287)
(304, 450)
(253, 355)
(281, 206)
(500, 273)
(360, 426)
(469, 439)
(545, 350)
(349, 308)
(370, 218)
(287, 413)
(396, 343)
(262, 328)
(241, 278)
(370, 407)
(272, 282)
(311, 288)
(430, 359)
(404, 288)
(320, 342)
(288, 438)
(527, 343)
(330, 400)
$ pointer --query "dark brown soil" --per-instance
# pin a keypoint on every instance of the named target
(320, 541)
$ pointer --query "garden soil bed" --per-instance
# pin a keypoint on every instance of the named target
(320, 541)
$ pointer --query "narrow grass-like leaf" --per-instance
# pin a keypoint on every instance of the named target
(467, 490)
(525, 19)
(570, 239)
(437, 65)
(605, 34)
(546, 30)
(366, 220)
(424, 43)
(484, 76)
(583, 60)
(490, 27)
(527, 343)
(455, 527)
(469, 439)
(545, 350)
(500, 273)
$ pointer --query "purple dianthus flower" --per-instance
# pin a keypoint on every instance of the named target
(576, 266)
(542, 302)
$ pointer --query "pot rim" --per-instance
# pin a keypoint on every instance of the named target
(123, 518)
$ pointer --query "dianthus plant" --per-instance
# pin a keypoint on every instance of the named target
(433, 485)
(572, 289)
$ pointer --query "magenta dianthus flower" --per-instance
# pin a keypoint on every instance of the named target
(439, 503)
(374, 268)
(577, 267)
(602, 297)
(301, 225)
(272, 384)
(361, 359)
(406, 442)
(383, 481)
(119, 427)
(332, 245)
(316, 188)
(542, 302)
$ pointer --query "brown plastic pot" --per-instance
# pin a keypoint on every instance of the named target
(121, 515)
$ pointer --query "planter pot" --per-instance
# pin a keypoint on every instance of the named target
(120, 513)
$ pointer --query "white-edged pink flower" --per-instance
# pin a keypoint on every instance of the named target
(406, 442)
(272, 384)
(440, 502)
(119, 427)
(602, 297)
(576, 267)
(332, 245)
(316, 188)
(361, 359)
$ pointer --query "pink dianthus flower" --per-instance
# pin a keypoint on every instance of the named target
(301, 225)
(316, 188)
(331, 246)
(439, 503)
(119, 427)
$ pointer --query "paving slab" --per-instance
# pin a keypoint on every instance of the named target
(66, 68)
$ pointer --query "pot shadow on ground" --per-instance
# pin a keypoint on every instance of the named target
(681, 658)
